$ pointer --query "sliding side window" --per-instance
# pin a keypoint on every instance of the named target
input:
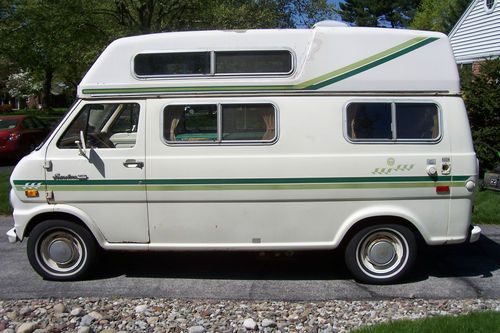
(252, 62)
(219, 123)
(166, 64)
(392, 122)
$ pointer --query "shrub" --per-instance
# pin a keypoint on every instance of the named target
(481, 92)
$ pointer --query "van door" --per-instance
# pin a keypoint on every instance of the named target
(104, 175)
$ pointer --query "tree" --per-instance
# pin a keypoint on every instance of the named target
(438, 15)
(381, 13)
(42, 37)
(22, 84)
(481, 92)
(147, 16)
(62, 38)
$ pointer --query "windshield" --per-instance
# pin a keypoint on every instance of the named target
(8, 123)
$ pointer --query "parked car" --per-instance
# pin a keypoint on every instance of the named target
(19, 135)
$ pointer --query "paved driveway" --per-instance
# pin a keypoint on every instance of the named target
(463, 271)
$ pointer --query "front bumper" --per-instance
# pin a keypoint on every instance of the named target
(12, 236)
(475, 233)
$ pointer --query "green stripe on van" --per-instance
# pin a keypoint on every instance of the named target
(243, 183)
(313, 84)
(371, 62)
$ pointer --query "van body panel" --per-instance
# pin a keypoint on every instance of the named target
(325, 59)
(99, 183)
(313, 184)
(25, 211)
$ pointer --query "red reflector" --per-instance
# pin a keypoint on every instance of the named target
(442, 189)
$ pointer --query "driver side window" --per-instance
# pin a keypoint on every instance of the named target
(110, 125)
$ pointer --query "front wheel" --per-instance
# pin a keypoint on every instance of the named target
(381, 253)
(61, 250)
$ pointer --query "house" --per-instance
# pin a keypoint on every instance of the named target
(476, 36)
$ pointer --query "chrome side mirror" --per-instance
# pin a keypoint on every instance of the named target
(81, 145)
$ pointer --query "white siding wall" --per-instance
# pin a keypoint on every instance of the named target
(477, 34)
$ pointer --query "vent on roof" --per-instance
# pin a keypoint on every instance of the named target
(330, 23)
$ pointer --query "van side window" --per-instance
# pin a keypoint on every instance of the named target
(381, 121)
(190, 123)
(252, 62)
(103, 126)
(248, 122)
(369, 121)
(417, 121)
(219, 123)
(178, 63)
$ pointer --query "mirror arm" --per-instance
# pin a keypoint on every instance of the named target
(81, 145)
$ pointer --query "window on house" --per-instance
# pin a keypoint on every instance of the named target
(489, 4)
(219, 123)
(392, 122)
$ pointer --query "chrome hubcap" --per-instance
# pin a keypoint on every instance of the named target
(381, 252)
(60, 251)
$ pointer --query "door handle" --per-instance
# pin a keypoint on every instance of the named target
(133, 164)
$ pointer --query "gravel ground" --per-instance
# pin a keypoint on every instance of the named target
(110, 315)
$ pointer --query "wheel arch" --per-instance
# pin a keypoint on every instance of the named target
(378, 220)
(61, 214)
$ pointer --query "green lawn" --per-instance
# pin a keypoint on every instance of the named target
(5, 207)
(485, 322)
(486, 207)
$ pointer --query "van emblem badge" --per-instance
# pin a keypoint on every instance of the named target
(58, 176)
(390, 161)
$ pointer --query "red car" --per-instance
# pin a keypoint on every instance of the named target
(19, 135)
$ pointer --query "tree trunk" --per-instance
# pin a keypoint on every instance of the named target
(47, 85)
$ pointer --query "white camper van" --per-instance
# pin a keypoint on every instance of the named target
(323, 138)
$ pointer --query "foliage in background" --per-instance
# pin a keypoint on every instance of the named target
(46, 37)
(438, 15)
(380, 13)
(22, 84)
(481, 93)
(58, 40)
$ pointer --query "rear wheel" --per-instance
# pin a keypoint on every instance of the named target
(381, 253)
(61, 250)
